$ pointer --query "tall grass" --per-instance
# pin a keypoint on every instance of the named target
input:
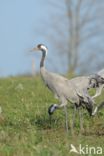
(25, 127)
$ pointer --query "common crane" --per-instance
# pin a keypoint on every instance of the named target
(62, 88)
(97, 81)
(93, 81)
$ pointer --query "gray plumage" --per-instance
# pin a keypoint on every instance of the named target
(93, 81)
(98, 83)
(101, 73)
(82, 83)
(65, 90)
(60, 86)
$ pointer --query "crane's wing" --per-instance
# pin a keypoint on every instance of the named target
(101, 73)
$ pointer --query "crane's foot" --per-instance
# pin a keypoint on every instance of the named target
(52, 108)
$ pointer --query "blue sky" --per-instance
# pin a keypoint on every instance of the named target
(19, 25)
(24, 24)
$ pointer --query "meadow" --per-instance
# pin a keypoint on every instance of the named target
(25, 127)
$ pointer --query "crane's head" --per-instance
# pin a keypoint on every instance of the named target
(40, 47)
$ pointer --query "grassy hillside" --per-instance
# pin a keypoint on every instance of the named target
(25, 127)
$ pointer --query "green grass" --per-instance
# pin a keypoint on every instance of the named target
(25, 127)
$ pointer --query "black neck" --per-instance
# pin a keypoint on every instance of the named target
(43, 58)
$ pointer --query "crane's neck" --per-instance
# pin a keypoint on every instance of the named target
(44, 53)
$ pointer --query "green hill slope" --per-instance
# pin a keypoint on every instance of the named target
(25, 127)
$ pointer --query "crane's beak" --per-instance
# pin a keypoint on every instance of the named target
(34, 49)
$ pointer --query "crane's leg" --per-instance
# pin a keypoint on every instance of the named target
(97, 108)
(63, 104)
(81, 118)
(66, 118)
(98, 91)
(72, 120)
(74, 115)
(95, 111)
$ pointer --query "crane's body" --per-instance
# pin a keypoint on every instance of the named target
(61, 87)
(82, 83)
(65, 90)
